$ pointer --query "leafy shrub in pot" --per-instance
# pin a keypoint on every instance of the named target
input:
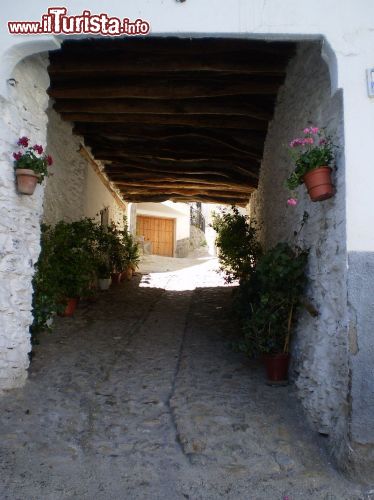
(237, 244)
(65, 268)
(273, 295)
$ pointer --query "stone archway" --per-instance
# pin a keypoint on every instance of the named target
(24, 112)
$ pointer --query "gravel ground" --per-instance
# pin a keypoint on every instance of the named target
(139, 396)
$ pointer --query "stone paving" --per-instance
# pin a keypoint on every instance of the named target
(139, 396)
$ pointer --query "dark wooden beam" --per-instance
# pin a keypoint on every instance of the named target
(202, 184)
(177, 46)
(164, 88)
(181, 145)
(211, 198)
(185, 199)
(135, 174)
(118, 131)
(184, 191)
(176, 156)
(207, 106)
(126, 62)
(201, 167)
(205, 121)
(195, 142)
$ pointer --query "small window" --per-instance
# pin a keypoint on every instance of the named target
(104, 217)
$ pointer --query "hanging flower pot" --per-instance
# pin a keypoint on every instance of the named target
(31, 165)
(27, 180)
(277, 366)
(318, 183)
(312, 155)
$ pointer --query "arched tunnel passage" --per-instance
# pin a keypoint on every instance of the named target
(149, 384)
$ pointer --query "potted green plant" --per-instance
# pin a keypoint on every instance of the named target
(103, 273)
(31, 165)
(274, 295)
(237, 243)
(131, 254)
(103, 268)
(313, 156)
(73, 260)
(45, 301)
(117, 253)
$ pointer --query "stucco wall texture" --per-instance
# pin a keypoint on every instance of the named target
(75, 189)
(320, 363)
(20, 215)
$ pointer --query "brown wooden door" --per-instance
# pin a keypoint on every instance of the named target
(159, 231)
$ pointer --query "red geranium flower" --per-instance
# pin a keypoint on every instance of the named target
(23, 141)
(17, 156)
(49, 160)
(38, 149)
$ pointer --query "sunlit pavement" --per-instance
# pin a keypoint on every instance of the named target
(180, 274)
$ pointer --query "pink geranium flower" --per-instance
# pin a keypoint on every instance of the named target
(292, 202)
(308, 140)
(296, 142)
(313, 150)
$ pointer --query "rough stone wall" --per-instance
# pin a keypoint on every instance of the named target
(182, 247)
(361, 350)
(23, 114)
(197, 238)
(64, 192)
(320, 346)
(75, 189)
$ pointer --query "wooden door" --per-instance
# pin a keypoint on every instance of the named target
(159, 231)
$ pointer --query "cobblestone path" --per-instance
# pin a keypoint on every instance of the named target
(139, 396)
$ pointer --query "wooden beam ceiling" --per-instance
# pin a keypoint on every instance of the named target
(172, 118)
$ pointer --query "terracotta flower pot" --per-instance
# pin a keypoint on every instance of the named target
(128, 273)
(70, 307)
(27, 180)
(318, 183)
(116, 278)
(277, 366)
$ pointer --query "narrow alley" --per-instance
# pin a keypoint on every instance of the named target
(140, 396)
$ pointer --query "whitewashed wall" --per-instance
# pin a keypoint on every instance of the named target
(98, 197)
(20, 215)
(64, 192)
(74, 190)
(320, 347)
(68, 194)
